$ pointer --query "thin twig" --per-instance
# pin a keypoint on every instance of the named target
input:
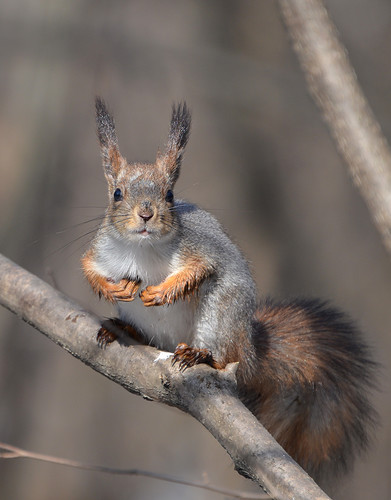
(11, 451)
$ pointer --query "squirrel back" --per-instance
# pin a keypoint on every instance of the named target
(182, 285)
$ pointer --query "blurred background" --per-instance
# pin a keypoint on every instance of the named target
(259, 158)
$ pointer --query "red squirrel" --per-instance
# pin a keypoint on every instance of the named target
(182, 285)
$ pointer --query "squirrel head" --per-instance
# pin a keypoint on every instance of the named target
(141, 199)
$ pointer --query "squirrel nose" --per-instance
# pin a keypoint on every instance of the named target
(145, 213)
(145, 216)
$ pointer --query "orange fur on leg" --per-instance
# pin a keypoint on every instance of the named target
(125, 290)
(177, 286)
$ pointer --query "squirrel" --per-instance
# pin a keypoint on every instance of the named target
(180, 284)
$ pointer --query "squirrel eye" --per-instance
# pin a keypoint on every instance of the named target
(117, 195)
(169, 196)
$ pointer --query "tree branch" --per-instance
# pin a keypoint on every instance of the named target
(333, 85)
(208, 395)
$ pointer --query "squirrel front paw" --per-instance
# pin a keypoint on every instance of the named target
(125, 290)
(156, 296)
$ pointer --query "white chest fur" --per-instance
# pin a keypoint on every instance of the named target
(163, 326)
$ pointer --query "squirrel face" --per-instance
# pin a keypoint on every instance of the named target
(142, 202)
(141, 195)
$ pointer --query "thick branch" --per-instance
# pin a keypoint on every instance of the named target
(208, 395)
(333, 85)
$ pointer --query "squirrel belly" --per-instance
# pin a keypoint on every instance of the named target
(149, 264)
(163, 327)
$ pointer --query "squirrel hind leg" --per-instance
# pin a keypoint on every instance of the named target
(113, 329)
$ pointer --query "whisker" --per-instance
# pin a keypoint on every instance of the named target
(70, 243)
(105, 221)
(79, 224)
(103, 225)
(183, 190)
(219, 209)
(233, 209)
(87, 207)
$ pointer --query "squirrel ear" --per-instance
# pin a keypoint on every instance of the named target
(107, 136)
(170, 160)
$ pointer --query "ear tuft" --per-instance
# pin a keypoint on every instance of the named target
(107, 138)
(177, 139)
(180, 126)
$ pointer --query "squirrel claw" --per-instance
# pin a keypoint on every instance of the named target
(188, 356)
(154, 296)
(105, 337)
(125, 290)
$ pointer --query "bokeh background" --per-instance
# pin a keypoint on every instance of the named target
(260, 159)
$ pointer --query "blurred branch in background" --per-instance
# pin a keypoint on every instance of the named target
(333, 85)
(8, 451)
(208, 395)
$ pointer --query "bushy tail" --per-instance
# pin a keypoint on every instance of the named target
(316, 374)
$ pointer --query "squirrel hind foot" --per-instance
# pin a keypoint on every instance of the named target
(116, 329)
(187, 356)
(105, 337)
